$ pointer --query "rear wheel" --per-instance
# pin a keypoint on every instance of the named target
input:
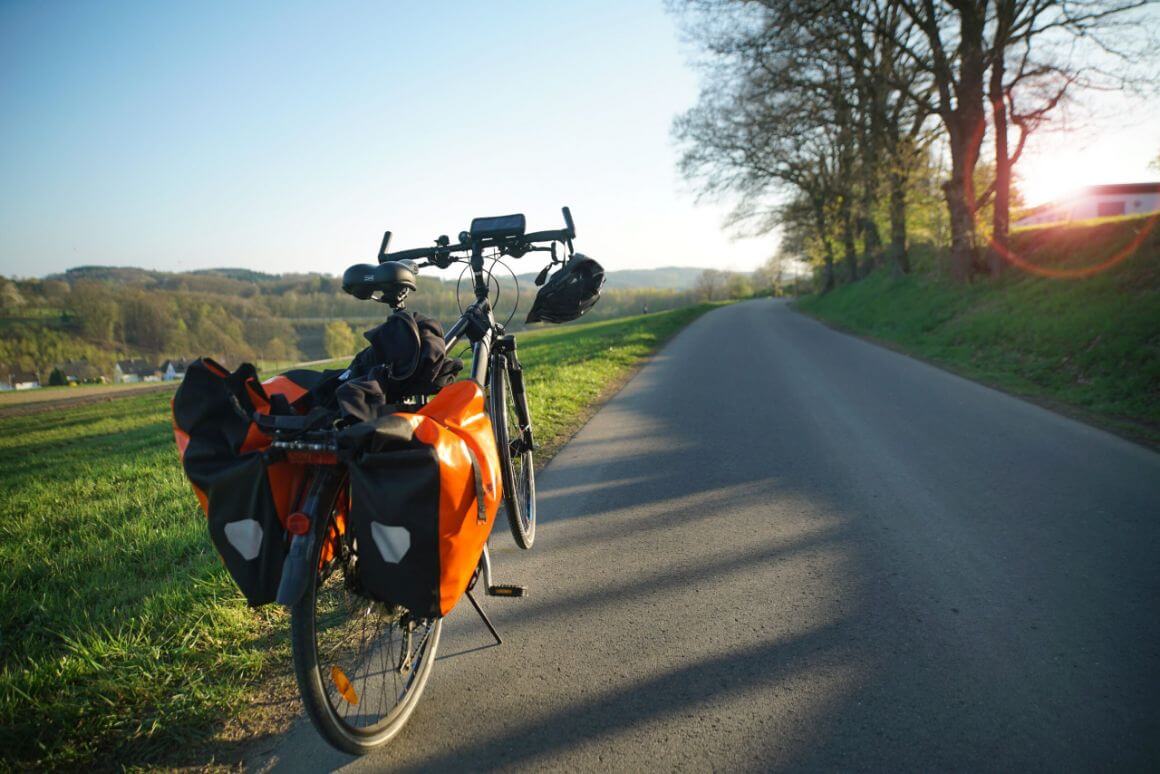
(361, 665)
(519, 476)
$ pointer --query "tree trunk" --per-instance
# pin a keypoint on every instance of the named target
(959, 195)
(871, 238)
(898, 255)
(1001, 217)
(965, 124)
(849, 247)
(827, 249)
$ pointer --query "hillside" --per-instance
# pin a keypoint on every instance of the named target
(1078, 327)
(89, 317)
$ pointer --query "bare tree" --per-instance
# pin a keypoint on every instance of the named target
(709, 285)
(810, 98)
(1033, 67)
(999, 52)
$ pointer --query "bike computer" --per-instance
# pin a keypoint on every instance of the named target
(498, 227)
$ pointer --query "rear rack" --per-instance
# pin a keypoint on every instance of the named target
(311, 448)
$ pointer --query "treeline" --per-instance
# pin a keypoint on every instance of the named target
(830, 119)
(103, 314)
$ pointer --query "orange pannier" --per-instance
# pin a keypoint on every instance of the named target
(246, 498)
(424, 490)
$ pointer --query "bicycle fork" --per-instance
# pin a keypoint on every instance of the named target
(506, 356)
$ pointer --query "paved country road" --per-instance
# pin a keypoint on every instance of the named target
(781, 547)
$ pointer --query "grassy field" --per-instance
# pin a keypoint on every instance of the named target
(1078, 328)
(121, 636)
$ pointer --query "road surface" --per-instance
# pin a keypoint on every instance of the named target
(781, 547)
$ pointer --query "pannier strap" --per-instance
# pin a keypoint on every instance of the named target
(481, 506)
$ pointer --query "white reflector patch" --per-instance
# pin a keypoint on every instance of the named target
(393, 542)
(246, 536)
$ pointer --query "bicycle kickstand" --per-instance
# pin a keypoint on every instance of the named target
(492, 590)
(486, 621)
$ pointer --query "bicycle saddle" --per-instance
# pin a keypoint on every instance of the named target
(387, 282)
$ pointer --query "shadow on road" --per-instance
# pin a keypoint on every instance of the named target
(780, 547)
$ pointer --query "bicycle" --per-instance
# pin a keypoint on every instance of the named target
(336, 632)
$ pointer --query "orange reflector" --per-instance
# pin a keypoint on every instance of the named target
(298, 523)
(343, 685)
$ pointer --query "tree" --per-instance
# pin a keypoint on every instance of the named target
(278, 349)
(710, 285)
(990, 52)
(57, 378)
(11, 299)
(338, 339)
(808, 106)
(147, 320)
(94, 305)
(738, 285)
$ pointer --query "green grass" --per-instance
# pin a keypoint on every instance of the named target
(121, 635)
(1088, 344)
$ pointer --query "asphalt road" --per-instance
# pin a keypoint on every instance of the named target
(780, 547)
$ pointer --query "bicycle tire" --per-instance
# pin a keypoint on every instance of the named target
(323, 695)
(518, 472)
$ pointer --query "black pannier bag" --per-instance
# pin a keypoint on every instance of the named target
(246, 500)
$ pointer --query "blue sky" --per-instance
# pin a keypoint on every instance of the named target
(287, 136)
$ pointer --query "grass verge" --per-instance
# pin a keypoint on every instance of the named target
(122, 638)
(1086, 345)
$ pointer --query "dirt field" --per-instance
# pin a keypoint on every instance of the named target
(48, 398)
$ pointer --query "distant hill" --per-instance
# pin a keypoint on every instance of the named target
(664, 278)
(245, 275)
(101, 314)
(121, 275)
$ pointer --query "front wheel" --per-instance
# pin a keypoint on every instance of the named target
(515, 460)
(361, 665)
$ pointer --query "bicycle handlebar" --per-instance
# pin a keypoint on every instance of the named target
(508, 244)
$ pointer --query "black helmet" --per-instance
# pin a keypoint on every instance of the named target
(570, 292)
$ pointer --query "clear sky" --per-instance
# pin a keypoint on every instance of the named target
(286, 136)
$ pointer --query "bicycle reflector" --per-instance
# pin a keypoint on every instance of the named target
(298, 523)
(338, 677)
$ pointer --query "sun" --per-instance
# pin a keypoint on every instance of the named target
(1043, 179)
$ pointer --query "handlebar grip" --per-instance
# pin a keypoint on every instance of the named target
(413, 254)
(569, 225)
(557, 235)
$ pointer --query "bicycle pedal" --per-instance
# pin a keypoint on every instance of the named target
(507, 590)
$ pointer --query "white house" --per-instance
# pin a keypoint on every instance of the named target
(1099, 201)
(25, 380)
(129, 371)
(172, 370)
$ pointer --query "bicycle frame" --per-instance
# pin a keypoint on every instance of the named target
(491, 349)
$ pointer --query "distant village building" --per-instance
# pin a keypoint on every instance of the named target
(131, 371)
(25, 380)
(1100, 201)
(173, 370)
(80, 372)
